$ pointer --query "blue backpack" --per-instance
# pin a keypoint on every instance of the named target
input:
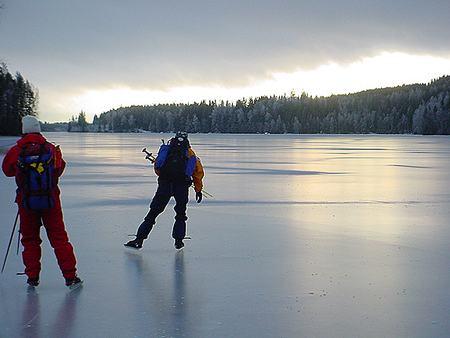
(35, 179)
(173, 161)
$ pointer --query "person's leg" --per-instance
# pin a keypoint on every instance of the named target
(30, 224)
(57, 235)
(181, 194)
(157, 206)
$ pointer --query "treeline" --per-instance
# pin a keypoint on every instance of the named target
(17, 99)
(80, 124)
(417, 108)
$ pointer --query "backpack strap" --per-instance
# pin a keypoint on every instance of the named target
(47, 172)
(24, 168)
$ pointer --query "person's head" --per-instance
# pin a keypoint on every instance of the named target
(30, 124)
(181, 138)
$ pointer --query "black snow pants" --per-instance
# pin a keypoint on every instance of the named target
(167, 189)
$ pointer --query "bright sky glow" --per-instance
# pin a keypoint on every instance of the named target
(386, 69)
(97, 55)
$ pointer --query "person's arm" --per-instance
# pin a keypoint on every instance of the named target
(60, 164)
(9, 165)
(198, 174)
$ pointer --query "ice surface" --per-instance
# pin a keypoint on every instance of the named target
(6, 143)
(314, 236)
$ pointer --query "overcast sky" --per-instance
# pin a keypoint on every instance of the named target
(75, 52)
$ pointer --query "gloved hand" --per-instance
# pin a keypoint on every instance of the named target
(198, 196)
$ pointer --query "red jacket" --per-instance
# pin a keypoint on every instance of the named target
(9, 165)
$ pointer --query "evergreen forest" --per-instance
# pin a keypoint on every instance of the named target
(17, 99)
(416, 108)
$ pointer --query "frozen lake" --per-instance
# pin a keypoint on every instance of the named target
(313, 236)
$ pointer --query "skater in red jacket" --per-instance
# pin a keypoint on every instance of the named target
(36, 165)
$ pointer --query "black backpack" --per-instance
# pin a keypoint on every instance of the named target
(35, 177)
(174, 166)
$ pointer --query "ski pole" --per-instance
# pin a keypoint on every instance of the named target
(10, 240)
(149, 156)
(18, 242)
(207, 193)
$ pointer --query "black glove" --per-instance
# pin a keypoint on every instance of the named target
(198, 196)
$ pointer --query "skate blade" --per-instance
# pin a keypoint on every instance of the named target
(132, 247)
(31, 289)
(75, 286)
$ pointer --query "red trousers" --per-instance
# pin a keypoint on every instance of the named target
(30, 226)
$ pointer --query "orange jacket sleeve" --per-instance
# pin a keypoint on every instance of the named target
(198, 174)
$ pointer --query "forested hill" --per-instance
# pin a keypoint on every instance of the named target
(17, 99)
(417, 108)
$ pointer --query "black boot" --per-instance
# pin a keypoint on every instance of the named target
(134, 244)
(73, 283)
(179, 244)
(33, 282)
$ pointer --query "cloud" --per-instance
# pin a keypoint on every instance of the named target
(386, 69)
(67, 45)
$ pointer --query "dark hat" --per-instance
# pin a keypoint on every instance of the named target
(180, 139)
(181, 135)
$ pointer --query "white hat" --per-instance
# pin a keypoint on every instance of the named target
(30, 124)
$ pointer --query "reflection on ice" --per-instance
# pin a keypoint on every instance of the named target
(157, 301)
(260, 171)
(40, 321)
(30, 316)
